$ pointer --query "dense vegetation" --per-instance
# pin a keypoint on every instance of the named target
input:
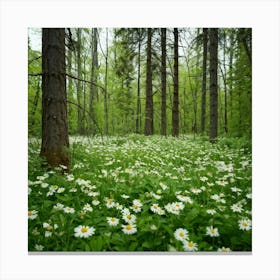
(140, 139)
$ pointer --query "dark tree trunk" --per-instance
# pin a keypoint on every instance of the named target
(55, 141)
(213, 84)
(163, 81)
(175, 107)
(138, 112)
(93, 77)
(79, 87)
(149, 94)
(69, 83)
(225, 86)
(35, 103)
(204, 76)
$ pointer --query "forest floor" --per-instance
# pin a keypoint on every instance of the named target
(138, 193)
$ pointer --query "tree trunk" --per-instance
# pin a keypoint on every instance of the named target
(213, 84)
(138, 112)
(175, 107)
(55, 142)
(163, 81)
(149, 94)
(93, 76)
(204, 76)
(69, 84)
(105, 92)
(225, 86)
(79, 88)
(35, 103)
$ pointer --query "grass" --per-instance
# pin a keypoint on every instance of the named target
(184, 177)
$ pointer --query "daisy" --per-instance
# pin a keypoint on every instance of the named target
(189, 246)
(95, 202)
(153, 227)
(60, 190)
(235, 189)
(245, 224)
(203, 179)
(156, 209)
(213, 232)
(236, 208)
(69, 210)
(181, 234)
(84, 231)
(129, 218)
(224, 250)
(136, 208)
(196, 191)
(87, 208)
(221, 183)
(58, 206)
(112, 221)
(125, 196)
(129, 229)
(32, 214)
(211, 211)
(110, 203)
(48, 233)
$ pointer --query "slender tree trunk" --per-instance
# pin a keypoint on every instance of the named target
(69, 83)
(106, 84)
(225, 86)
(35, 103)
(93, 76)
(55, 142)
(213, 84)
(138, 112)
(204, 76)
(175, 107)
(163, 81)
(230, 73)
(79, 87)
(149, 94)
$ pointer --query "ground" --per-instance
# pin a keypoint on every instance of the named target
(138, 193)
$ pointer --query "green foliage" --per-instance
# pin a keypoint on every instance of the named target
(152, 170)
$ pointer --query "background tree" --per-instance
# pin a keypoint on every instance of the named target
(213, 34)
(55, 142)
(163, 81)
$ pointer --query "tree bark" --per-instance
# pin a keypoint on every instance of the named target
(204, 76)
(138, 111)
(163, 81)
(106, 84)
(55, 142)
(149, 94)
(79, 88)
(175, 107)
(213, 84)
(93, 76)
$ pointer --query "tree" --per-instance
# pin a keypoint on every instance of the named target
(149, 127)
(213, 34)
(204, 76)
(163, 81)
(55, 142)
(175, 107)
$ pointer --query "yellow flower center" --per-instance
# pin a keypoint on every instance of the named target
(181, 234)
(30, 213)
(155, 206)
(244, 224)
(212, 231)
(224, 250)
(135, 206)
(128, 217)
(128, 227)
(190, 244)
(84, 229)
(113, 219)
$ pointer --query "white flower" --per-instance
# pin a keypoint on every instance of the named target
(44, 185)
(58, 206)
(32, 214)
(48, 233)
(189, 246)
(112, 221)
(224, 250)
(70, 177)
(38, 247)
(236, 208)
(203, 179)
(84, 231)
(245, 224)
(73, 190)
(69, 210)
(153, 227)
(29, 191)
(213, 232)
(196, 191)
(125, 196)
(249, 195)
(181, 234)
(163, 186)
(211, 211)
(156, 209)
(129, 229)
(60, 190)
(235, 189)
(221, 183)
(136, 208)
(95, 202)
(185, 199)
(87, 208)
(110, 203)
(129, 218)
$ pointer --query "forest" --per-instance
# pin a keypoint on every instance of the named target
(139, 139)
